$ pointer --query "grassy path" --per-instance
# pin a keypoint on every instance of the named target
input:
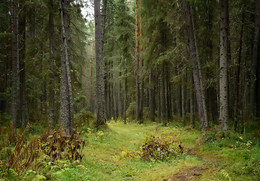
(103, 161)
(103, 158)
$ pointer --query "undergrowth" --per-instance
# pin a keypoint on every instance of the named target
(156, 148)
(21, 156)
(243, 153)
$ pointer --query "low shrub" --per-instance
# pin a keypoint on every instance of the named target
(156, 148)
(58, 146)
(19, 154)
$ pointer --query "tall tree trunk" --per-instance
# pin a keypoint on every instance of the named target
(52, 66)
(159, 97)
(115, 101)
(103, 22)
(223, 76)
(66, 99)
(177, 94)
(163, 98)
(254, 78)
(15, 62)
(137, 62)
(23, 95)
(125, 92)
(151, 96)
(192, 120)
(183, 98)
(120, 101)
(142, 65)
(166, 81)
(196, 68)
(237, 96)
(100, 107)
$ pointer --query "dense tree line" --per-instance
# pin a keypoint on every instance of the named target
(190, 61)
(183, 60)
(42, 51)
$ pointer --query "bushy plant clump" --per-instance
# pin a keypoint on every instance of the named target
(156, 148)
(38, 151)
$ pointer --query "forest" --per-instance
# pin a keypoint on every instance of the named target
(139, 90)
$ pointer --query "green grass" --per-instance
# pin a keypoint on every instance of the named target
(103, 161)
(222, 159)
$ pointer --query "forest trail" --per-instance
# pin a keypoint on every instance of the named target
(105, 155)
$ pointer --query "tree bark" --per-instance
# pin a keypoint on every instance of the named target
(254, 77)
(237, 96)
(125, 92)
(196, 68)
(183, 87)
(223, 75)
(52, 66)
(120, 102)
(142, 65)
(100, 107)
(15, 62)
(192, 121)
(23, 100)
(137, 62)
(151, 96)
(163, 98)
(66, 99)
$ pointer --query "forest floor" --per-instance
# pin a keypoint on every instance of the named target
(114, 154)
(106, 156)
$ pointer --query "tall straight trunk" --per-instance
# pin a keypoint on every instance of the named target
(196, 68)
(120, 101)
(163, 98)
(183, 99)
(125, 93)
(159, 98)
(23, 95)
(112, 110)
(177, 95)
(15, 62)
(223, 75)
(107, 93)
(142, 64)
(170, 112)
(167, 97)
(237, 95)
(103, 23)
(137, 62)
(91, 93)
(151, 96)
(100, 107)
(66, 99)
(52, 66)
(254, 78)
(106, 89)
(115, 101)
(192, 120)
